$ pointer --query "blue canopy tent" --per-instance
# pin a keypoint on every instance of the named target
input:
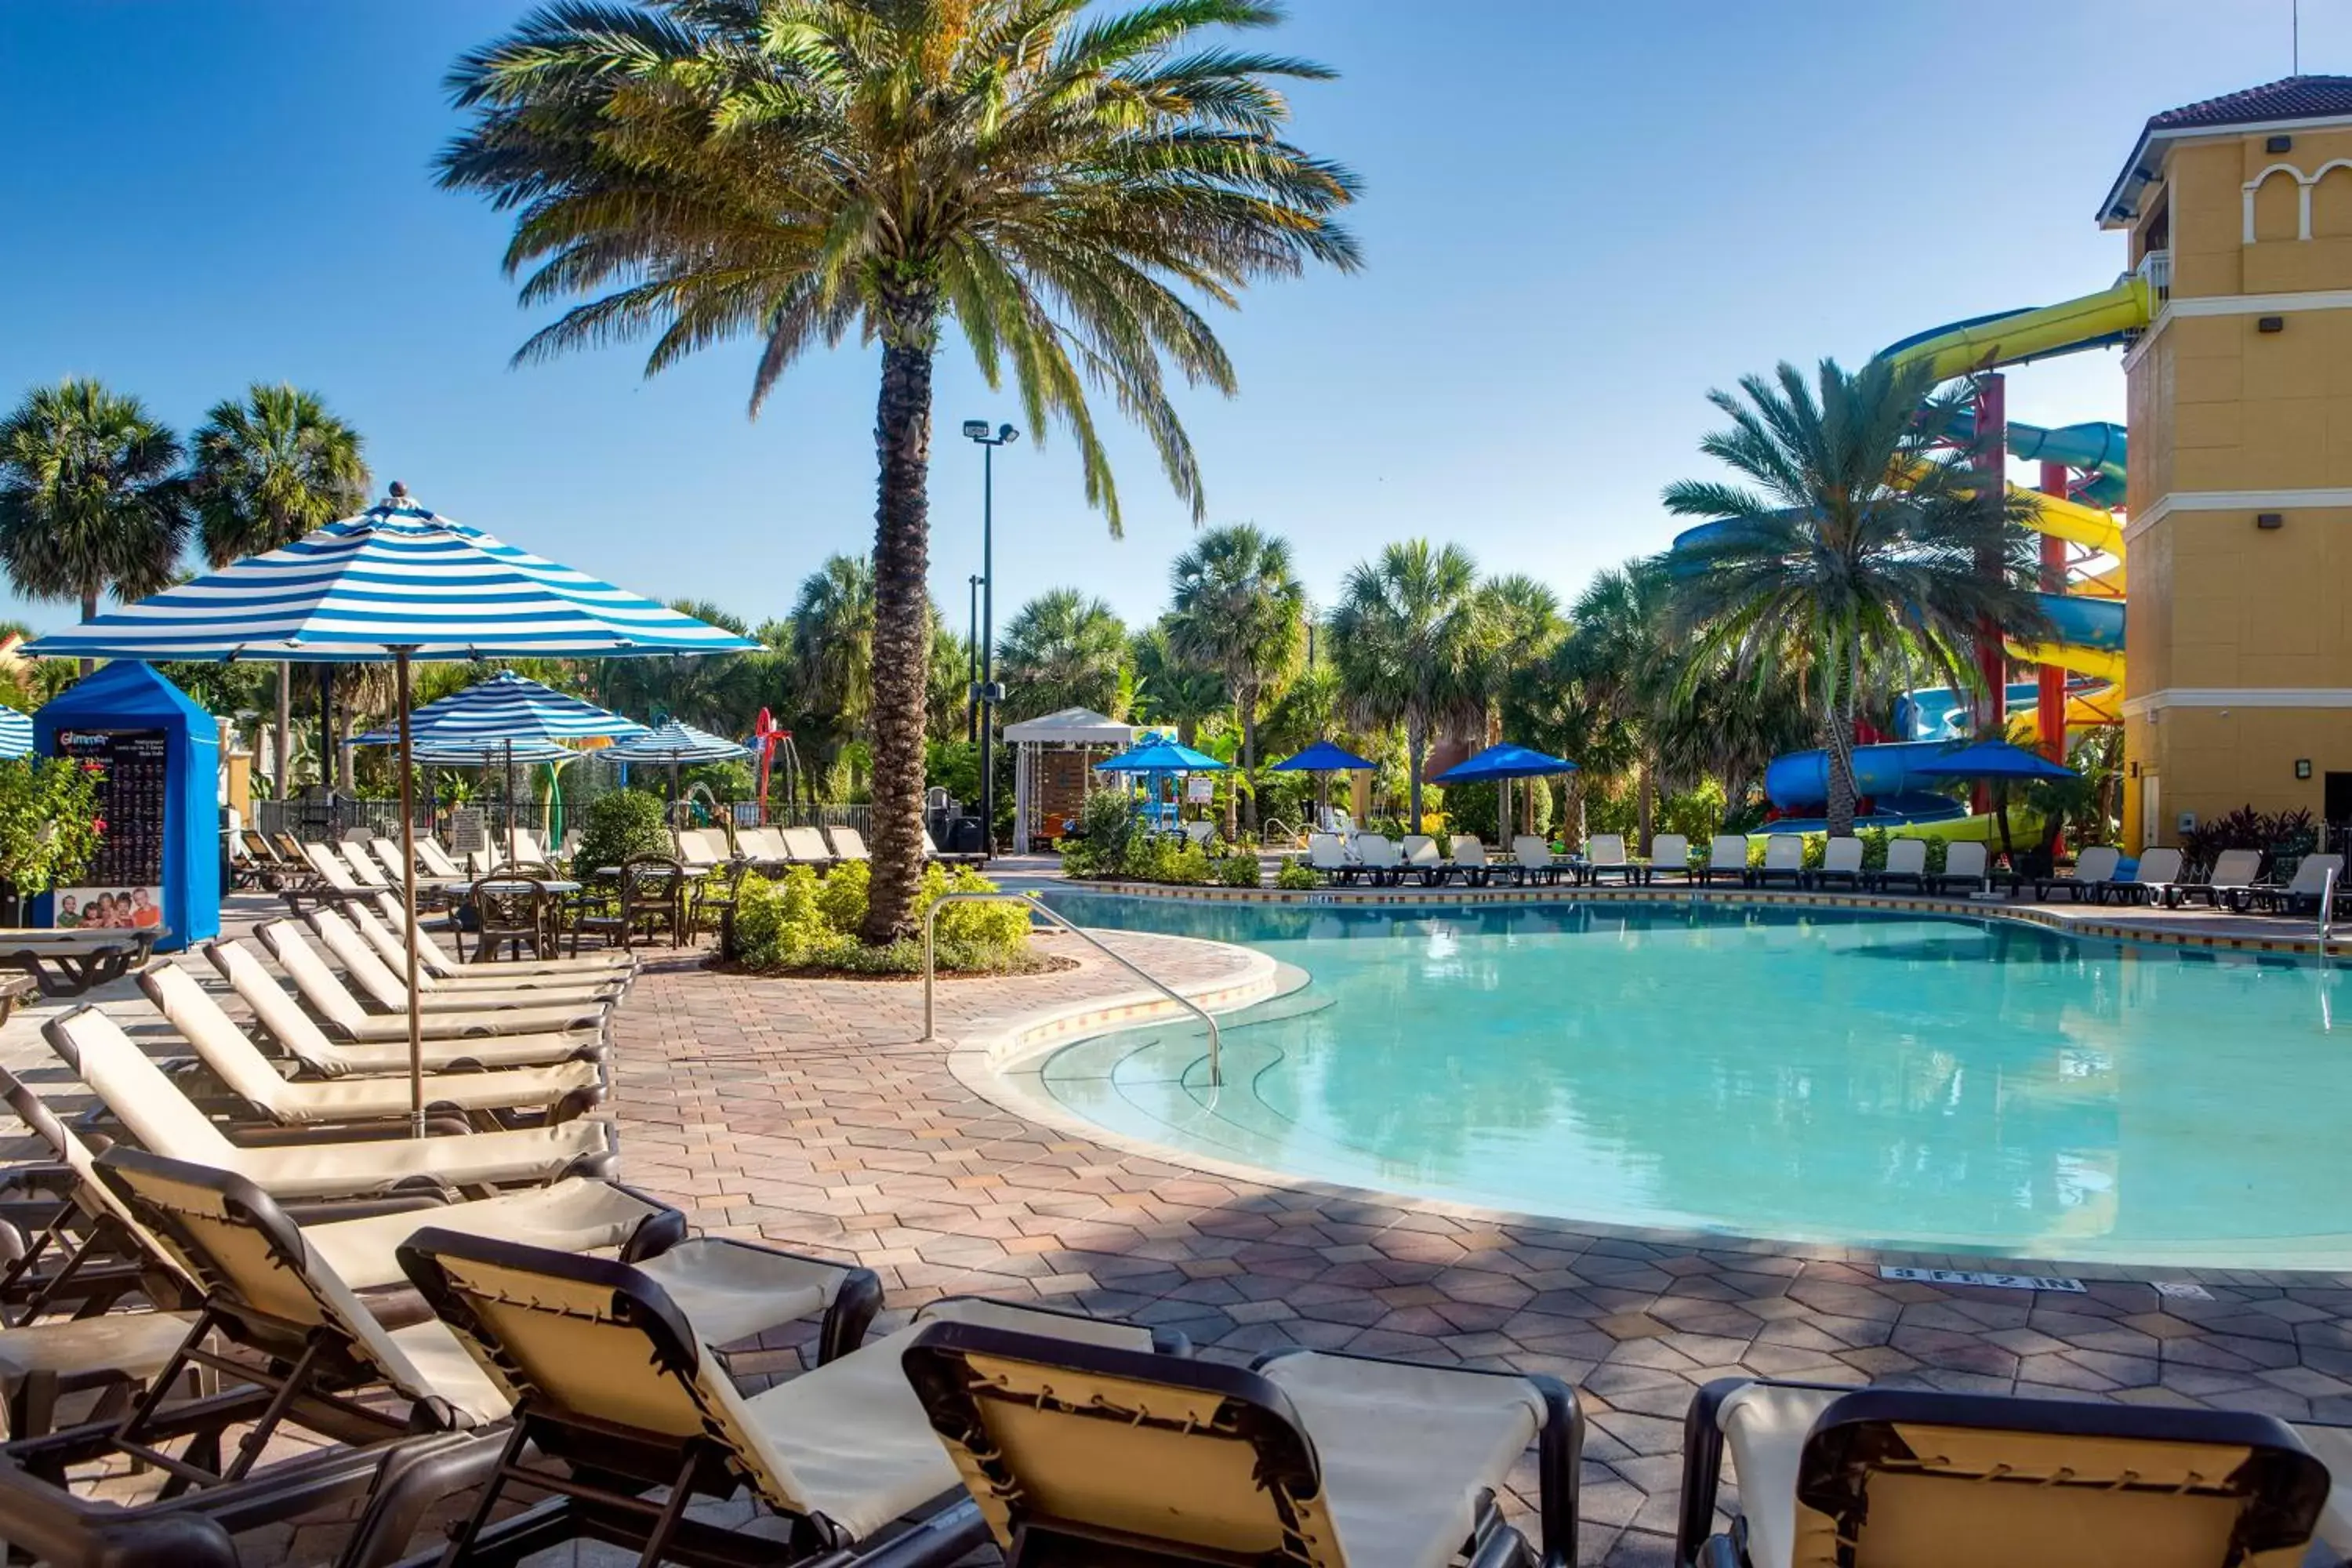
(1323, 759)
(161, 796)
(1997, 761)
(1157, 758)
(1501, 763)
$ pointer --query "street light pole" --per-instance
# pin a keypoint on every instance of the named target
(990, 694)
(972, 669)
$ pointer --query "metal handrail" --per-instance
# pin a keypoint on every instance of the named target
(1036, 907)
(2327, 910)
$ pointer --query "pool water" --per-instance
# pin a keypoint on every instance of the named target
(1825, 1076)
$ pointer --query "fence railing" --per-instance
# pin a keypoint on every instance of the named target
(332, 818)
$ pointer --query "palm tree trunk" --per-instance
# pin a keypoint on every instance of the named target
(89, 613)
(285, 734)
(1249, 762)
(1647, 803)
(1571, 815)
(902, 608)
(1415, 739)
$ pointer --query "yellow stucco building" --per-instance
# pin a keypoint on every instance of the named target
(2240, 480)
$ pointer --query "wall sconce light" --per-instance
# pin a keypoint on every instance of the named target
(2269, 520)
(2279, 144)
(2303, 767)
(2270, 323)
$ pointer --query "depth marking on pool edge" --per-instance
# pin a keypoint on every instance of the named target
(1979, 1277)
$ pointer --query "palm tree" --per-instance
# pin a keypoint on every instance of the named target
(1408, 637)
(1044, 173)
(1241, 610)
(265, 471)
(1857, 552)
(832, 639)
(1623, 653)
(714, 691)
(1062, 650)
(91, 497)
(1171, 690)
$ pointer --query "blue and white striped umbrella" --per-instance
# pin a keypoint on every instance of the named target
(494, 754)
(398, 578)
(673, 741)
(507, 707)
(16, 734)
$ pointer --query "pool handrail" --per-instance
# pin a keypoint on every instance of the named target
(1036, 905)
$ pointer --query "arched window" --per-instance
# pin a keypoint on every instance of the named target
(2331, 200)
(2277, 206)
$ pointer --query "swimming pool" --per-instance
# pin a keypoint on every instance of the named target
(1941, 1084)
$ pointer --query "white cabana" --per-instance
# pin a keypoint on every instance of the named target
(1053, 762)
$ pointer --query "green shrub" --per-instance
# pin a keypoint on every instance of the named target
(802, 922)
(1238, 871)
(625, 823)
(1694, 812)
(1874, 848)
(1296, 876)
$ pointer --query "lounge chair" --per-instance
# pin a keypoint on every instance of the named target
(1727, 860)
(363, 865)
(2302, 894)
(1605, 855)
(554, 1094)
(299, 1036)
(702, 848)
(2154, 878)
(847, 843)
(343, 1014)
(1311, 1458)
(381, 926)
(1840, 864)
(1669, 856)
(2230, 880)
(1420, 856)
(2094, 868)
(1533, 861)
(611, 1371)
(436, 862)
(1964, 868)
(387, 854)
(143, 1099)
(932, 851)
(332, 878)
(1470, 862)
(1784, 860)
(481, 984)
(806, 846)
(1327, 854)
(763, 847)
(1377, 858)
(1906, 862)
(1892, 1475)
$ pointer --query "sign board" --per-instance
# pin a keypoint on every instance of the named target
(1200, 789)
(468, 831)
(123, 885)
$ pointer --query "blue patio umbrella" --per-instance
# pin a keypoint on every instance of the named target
(1157, 758)
(1994, 760)
(1323, 759)
(15, 733)
(402, 583)
(675, 741)
(1503, 761)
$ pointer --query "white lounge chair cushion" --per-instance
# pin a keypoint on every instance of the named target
(1765, 1429)
(854, 1440)
(579, 1214)
(1406, 1450)
(729, 1290)
(135, 1344)
(337, 1170)
(379, 1098)
(445, 1369)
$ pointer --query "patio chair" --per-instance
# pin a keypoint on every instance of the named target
(381, 926)
(2231, 877)
(611, 1371)
(806, 846)
(480, 988)
(2301, 895)
(1964, 868)
(762, 849)
(1669, 856)
(701, 849)
(1605, 855)
(1906, 862)
(1307, 1458)
(650, 897)
(551, 1094)
(1327, 854)
(1784, 861)
(1727, 860)
(1880, 1474)
(143, 1099)
(2094, 870)
(345, 1015)
(1533, 861)
(2154, 878)
(1470, 862)
(849, 843)
(301, 1037)
(513, 913)
(1378, 859)
(1419, 856)
(1840, 864)
(710, 905)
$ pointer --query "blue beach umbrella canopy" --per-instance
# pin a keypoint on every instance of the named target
(399, 582)
(1994, 760)
(15, 733)
(1503, 761)
(672, 740)
(1161, 757)
(1323, 757)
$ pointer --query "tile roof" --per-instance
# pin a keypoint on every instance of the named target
(2289, 97)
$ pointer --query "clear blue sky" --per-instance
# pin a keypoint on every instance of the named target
(1577, 218)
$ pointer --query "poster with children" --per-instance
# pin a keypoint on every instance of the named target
(91, 909)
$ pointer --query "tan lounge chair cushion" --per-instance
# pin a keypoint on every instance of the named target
(135, 1344)
(729, 1290)
(527, 1154)
(1406, 1450)
(579, 1214)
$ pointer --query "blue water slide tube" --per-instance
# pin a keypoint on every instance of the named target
(2083, 621)
(1802, 780)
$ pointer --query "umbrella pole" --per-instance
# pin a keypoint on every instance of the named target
(511, 803)
(408, 895)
